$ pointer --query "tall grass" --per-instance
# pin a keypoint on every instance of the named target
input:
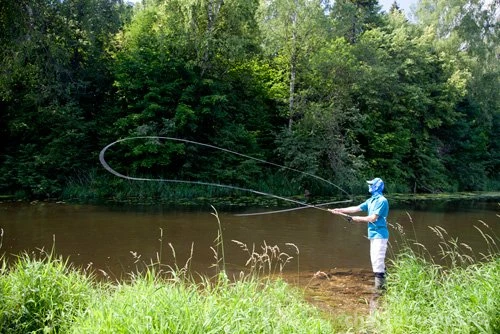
(42, 293)
(422, 298)
(150, 305)
(96, 187)
(460, 293)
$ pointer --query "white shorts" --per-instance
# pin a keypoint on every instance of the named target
(378, 247)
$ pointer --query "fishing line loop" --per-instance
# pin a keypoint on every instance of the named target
(133, 178)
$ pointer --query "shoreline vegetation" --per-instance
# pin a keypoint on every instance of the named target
(44, 292)
(96, 190)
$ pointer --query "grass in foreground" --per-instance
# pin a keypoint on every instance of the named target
(42, 294)
(462, 295)
(47, 296)
(149, 305)
(424, 298)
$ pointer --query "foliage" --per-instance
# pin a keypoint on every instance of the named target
(292, 32)
(409, 98)
(466, 32)
(150, 305)
(338, 89)
(54, 81)
(166, 91)
(353, 17)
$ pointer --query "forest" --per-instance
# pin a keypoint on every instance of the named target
(337, 89)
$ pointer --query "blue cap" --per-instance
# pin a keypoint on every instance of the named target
(376, 185)
(375, 180)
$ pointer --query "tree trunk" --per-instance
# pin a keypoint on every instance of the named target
(293, 69)
(213, 9)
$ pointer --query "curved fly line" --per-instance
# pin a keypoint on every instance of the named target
(133, 178)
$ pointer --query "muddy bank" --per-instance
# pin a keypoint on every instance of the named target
(337, 291)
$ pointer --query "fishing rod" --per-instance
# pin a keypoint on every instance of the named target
(133, 178)
(291, 209)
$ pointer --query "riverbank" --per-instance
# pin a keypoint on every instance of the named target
(485, 195)
(338, 291)
(235, 202)
(46, 293)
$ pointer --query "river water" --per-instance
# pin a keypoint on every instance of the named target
(118, 239)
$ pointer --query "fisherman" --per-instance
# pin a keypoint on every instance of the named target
(377, 208)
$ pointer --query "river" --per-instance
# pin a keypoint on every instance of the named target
(118, 239)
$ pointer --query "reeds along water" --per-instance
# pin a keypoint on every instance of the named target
(455, 292)
(262, 260)
(452, 251)
(267, 261)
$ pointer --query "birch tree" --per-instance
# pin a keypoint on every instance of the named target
(292, 31)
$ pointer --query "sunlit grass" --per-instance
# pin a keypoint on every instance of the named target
(151, 305)
(459, 293)
(422, 298)
(42, 293)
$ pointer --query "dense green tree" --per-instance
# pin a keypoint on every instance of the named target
(334, 88)
(466, 32)
(292, 31)
(181, 72)
(53, 81)
(395, 7)
(323, 141)
(352, 17)
(408, 94)
(297, 42)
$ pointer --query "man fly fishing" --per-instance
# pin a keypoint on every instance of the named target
(377, 208)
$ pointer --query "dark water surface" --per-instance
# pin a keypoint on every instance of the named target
(106, 236)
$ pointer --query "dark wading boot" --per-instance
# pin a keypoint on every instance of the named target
(379, 282)
(379, 290)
